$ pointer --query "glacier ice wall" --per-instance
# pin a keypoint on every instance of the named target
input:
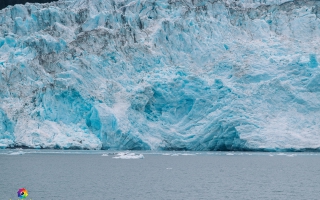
(161, 74)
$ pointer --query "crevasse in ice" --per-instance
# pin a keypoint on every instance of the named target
(161, 75)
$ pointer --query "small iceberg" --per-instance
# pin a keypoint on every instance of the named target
(128, 156)
(17, 153)
(105, 154)
(229, 154)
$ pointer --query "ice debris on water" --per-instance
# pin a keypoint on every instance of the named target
(161, 75)
(126, 155)
(17, 153)
(187, 154)
(178, 154)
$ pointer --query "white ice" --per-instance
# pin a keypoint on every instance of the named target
(125, 155)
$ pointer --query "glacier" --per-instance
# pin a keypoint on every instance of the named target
(161, 75)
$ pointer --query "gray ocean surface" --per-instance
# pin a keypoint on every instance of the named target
(67, 175)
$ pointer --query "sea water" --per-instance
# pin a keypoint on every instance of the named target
(96, 175)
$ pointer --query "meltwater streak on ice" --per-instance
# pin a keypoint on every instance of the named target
(162, 75)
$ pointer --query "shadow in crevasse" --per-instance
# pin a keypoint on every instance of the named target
(5, 3)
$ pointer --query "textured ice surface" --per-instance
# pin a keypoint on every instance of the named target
(162, 75)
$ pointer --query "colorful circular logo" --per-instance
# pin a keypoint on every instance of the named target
(22, 193)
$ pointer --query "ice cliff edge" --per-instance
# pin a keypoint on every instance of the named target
(162, 75)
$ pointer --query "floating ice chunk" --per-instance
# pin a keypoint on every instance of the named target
(17, 153)
(129, 156)
(105, 154)
(112, 154)
(175, 154)
(229, 154)
(187, 154)
(166, 154)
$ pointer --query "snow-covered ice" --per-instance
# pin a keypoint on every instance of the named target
(161, 75)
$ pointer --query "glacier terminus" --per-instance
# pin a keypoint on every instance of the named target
(161, 75)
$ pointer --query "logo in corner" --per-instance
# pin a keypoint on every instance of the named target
(22, 193)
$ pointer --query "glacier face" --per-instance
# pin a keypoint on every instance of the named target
(161, 75)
